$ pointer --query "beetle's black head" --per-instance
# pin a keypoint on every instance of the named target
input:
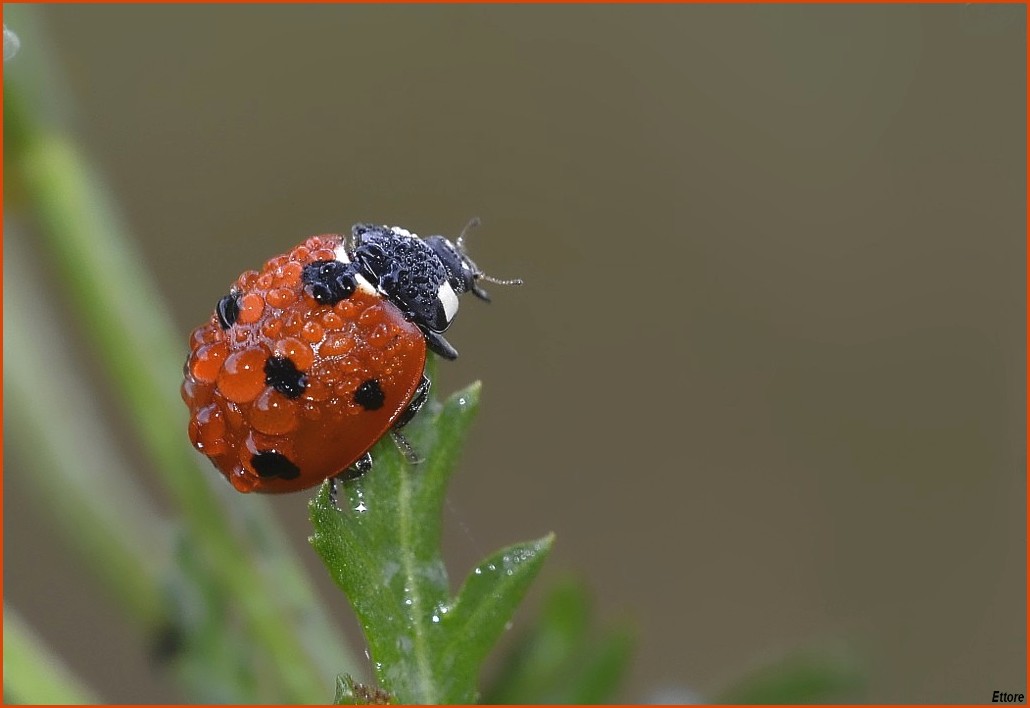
(462, 273)
(423, 277)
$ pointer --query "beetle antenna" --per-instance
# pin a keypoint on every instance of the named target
(473, 223)
(499, 281)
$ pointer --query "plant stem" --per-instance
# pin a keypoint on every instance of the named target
(32, 673)
(78, 474)
(129, 326)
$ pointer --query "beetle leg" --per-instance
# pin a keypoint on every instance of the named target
(405, 447)
(418, 400)
(362, 465)
(439, 345)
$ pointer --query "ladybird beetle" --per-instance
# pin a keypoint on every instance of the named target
(304, 366)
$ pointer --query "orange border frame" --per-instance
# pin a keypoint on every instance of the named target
(1026, 208)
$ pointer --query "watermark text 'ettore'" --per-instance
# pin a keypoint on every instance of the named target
(1002, 697)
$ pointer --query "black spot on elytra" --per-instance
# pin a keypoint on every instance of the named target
(274, 464)
(282, 375)
(370, 395)
(227, 309)
(329, 281)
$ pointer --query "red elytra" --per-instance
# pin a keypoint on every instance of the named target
(358, 362)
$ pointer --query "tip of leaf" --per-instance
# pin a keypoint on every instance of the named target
(322, 501)
(468, 396)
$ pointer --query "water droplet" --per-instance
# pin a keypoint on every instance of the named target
(360, 496)
(478, 571)
(390, 569)
(436, 619)
(462, 401)
(11, 43)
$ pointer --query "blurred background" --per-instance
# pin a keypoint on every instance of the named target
(766, 377)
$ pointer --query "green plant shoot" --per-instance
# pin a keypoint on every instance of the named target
(382, 547)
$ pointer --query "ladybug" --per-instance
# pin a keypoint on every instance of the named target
(304, 366)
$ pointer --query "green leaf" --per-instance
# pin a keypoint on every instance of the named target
(485, 605)
(826, 675)
(561, 659)
(383, 550)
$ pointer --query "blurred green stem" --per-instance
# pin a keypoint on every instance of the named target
(113, 296)
(824, 674)
(79, 474)
(32, 673)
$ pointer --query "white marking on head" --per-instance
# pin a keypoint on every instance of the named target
(340, 253)
(401, 232)
(363, 285)
(449, 299)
